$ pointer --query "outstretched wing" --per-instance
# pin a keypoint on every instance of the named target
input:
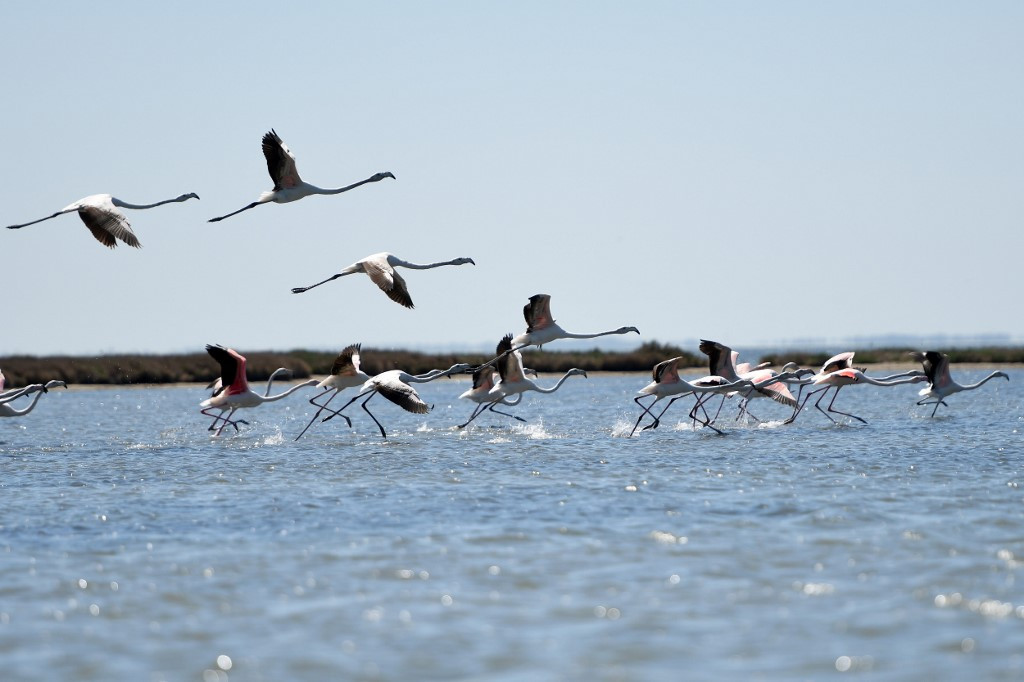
(404, 396)
(389, 281)
(538, 312)
(280, 162)
(347, 362)
(232, 364)
(667, 371)
(936, 367)
(108, 225)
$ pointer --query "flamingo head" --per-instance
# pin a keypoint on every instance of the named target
(377, 177)
(186, 197)
(576, 371)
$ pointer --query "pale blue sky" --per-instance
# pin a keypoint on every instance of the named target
(756, 173)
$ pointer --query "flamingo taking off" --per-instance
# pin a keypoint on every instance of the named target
(541, 327)
(512, 376)
(940, 383)
(288, 186)
(99, 213)
(345, 373)
(485, 377)
(395, 385)
(722, 362)
(838, 371)
(236, 392)
(380, 267)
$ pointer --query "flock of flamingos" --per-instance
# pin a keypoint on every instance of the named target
(502, 381)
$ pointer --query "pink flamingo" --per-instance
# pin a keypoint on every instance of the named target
(236, 393)
(288, 186)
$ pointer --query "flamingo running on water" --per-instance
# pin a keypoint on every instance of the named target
(940, 383)
(345, 373)
(236, 392)
(99, 213)
(395, 385)
(288, 186)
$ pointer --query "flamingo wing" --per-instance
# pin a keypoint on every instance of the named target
(232, 367)
(108, 225)
(403, 395)
(538, 312)
(720, 358)
(666, 372)
(280, 162)
(838, 362)
(389, 281)
(483, 378)
(509, 362)
(347, 362)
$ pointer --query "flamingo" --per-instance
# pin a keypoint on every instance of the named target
(218, 385)
(381, 269)
(722, 362)
(288, 186)
(940, 383)
(9, 396)
(485, 377)
(839, 362)
(513, 379)
(99, 213)
(541, 327)
(848, 377)
(395, 385)
(237, 394)
(345, 373)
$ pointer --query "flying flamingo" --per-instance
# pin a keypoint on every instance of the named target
(722, 362)
(940, 383)
(541, 327)
(394, 385)
(512, 376)
(218, 386)
(237, 394)
(288, 186)
(7, 410)
(99, 213)
(345, 373)
(381, 269)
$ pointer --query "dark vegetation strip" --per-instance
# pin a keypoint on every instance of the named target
(199, 367)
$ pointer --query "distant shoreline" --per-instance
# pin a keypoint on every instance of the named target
(122, 370)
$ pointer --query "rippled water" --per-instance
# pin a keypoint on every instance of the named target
(134, 546)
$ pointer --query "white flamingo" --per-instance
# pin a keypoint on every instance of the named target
(395, 385)
(7, 410)
(512, 376)
(237, 393)
(380, 267)
(541, 327)
(940, 383)
(99, 213)
(850, 376)
(345, 373)
(288, 186)
(485, 377)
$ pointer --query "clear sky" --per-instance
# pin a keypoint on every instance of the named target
(755, 173)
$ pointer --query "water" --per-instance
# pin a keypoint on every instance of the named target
(134, 546)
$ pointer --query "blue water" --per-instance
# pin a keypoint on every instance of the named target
(135, 546)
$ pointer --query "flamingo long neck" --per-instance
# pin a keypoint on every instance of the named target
(570, 335)
(25, 410)
(417, 266)
(890, 381)
(125, 204)
(968, 387)
(554, 388)
(285, 394)
(321, 190)
(270, 381)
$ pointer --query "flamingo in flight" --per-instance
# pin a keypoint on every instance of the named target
(6, 397)
(722, 362)
(940, 383)
(235, 391)
(218, 386)
(380, 267)
(396, 386)
(288, 186)
(345, 373)
(513, 381)
(541, 327)
(838, 371)
(100, 214)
